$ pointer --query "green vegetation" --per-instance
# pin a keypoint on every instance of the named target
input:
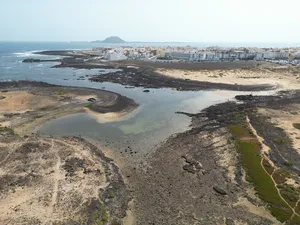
(279, 128)
(111, 194)
(60, 92)
(249, 149)
(289, 193)
(288, 163)
(100, 215)
(296, 125)
(281, 141)
(297, 209)
(140, 126)
(45, 108)
(239, 131)
(239, 117)
(294, 221)
(104, 218)
(6, 130)
(89, 106)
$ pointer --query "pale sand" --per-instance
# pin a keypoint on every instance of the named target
(264, 148)
(129, 218)
(227, 157)
(55, 196)
(21, 101)
(282, 80)
(113, 116)
(260, 211)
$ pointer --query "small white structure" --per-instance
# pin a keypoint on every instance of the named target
(116, 56)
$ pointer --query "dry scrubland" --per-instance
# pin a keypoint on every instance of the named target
(52, 180)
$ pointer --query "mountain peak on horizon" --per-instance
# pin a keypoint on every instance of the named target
(112, 39)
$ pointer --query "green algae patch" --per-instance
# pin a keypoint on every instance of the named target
(296, 125)
(249, 150)
(89, 106)
(140, 126)
(294, 221)
(289, 193)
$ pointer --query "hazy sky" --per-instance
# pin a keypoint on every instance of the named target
(151, 20)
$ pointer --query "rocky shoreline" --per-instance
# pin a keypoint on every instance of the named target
(201, 168)
(234, 166)
(144, 75)
(147, 78)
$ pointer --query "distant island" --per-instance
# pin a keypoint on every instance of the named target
(112, 39)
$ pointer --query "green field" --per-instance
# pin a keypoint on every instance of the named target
(249, 150)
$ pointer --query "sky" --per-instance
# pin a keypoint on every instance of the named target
(151, 20)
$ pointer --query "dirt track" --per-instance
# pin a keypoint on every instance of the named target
(47, 180)
(57, 181)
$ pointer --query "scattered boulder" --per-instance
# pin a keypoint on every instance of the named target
(245, 97)
(91, 99)
(72, 164)
(189, 168)
(2, 97)
(219, 190)
(192, 166)
(31, 60)
(10, 115)
(146, 91)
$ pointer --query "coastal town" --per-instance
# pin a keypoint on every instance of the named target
(283, 56)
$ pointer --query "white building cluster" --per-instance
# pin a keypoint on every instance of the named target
(225, 55)
(194, 54)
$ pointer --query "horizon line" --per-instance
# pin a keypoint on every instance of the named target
(95, 41)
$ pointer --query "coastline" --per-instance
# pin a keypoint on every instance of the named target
(201, 167)
(68, 169)
(190, 76)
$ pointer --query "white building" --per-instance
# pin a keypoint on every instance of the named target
(114, 56)
(259, 56)
(276, 55)
(180, 55)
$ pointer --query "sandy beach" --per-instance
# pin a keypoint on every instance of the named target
(281, 77)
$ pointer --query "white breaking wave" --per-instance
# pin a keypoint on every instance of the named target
(28, 53)
(24, 54)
